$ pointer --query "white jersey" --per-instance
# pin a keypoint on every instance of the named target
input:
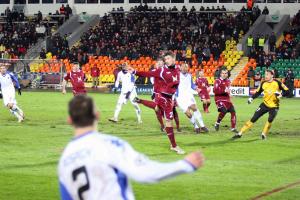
(7, 83)
(127, 80)
(97, 166)
(186, 85)
(184, 95)
(8, 89)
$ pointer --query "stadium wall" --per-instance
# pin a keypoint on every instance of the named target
(274, 8)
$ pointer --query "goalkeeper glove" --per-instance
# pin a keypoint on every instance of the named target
(278, 94)
(19, 91)
(250, 100)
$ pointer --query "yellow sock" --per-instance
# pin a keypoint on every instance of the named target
(248, 125)
(267, 127)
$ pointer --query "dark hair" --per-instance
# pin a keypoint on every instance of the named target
(169, 53)
(159, 58)
(270, 71)
(81, 111)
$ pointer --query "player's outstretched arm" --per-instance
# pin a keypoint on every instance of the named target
(141, 169)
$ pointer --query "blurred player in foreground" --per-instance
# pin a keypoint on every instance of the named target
(128, 92)
(7, 81)
(273, 90)
(186, 101)
(76, 77)
(98, 166)
(203, 89)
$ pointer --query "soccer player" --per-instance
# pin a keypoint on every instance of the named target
(273, 91)
(222, 99)
(98, 166)
(76, 77)
(186, 101)
(203, 90)
(157, 85)
(128, 91)
(7, 81)
(170, 77)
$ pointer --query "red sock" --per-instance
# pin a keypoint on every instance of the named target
(159, 118)
(233, 119)
(176, 117)
(149, 104)
(207, 106)
(171, 136)
(220, 117)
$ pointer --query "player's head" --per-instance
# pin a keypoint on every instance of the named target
(201, 73)
(75, 67)
(224, 73)
(2, 68)
(169, 59)
(82, 112)
(124, 68)
(269, 75)
(159, 62)
(184, 68)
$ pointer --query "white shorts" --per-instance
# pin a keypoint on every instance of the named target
(9, 98)
(122, 98)
(185, 101)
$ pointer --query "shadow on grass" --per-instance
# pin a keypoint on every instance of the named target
(222, 142)
(8, 167)
(291, 160)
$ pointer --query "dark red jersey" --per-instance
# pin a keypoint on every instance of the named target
(157, 85)
(169, 79)
(202, 84)
(77, 81)
(221, 89)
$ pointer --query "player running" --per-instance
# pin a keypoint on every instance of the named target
(272, 90)
(98, 166)
(7, 81)
(157, 85)
(165, 99)
(222, 99)
(203, 90)
(186, 101)
(76, 77)
(128, 91)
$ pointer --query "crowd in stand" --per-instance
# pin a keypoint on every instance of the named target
(139, 33)
(18, 33)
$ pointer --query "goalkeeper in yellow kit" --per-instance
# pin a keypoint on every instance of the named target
(273, 90)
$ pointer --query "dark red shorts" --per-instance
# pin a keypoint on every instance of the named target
(79, 92)
(221, 105)
(166, 105)
(204, 95)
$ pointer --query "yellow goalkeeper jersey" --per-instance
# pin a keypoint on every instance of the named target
(270, 89)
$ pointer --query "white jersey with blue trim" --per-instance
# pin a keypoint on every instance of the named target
(97, 166)
(186, 85)
(127, 80)
(7, 83)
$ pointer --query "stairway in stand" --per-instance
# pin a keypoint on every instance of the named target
(238, 67)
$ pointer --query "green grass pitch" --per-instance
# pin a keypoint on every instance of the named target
(241, 169)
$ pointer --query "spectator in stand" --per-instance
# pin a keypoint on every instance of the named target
(95, 73)
(250, 43)
(39, 16)
(43, 54)
(62, 9)
(257, 80)
(289, 82)
(265, 11)
(40, 30)
(272, 42)
(68, 11)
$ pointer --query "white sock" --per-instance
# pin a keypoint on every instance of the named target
(117, 111)
(15, 107)
(199, 118)
(137, 111)
(192, 120)
(15, 113)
